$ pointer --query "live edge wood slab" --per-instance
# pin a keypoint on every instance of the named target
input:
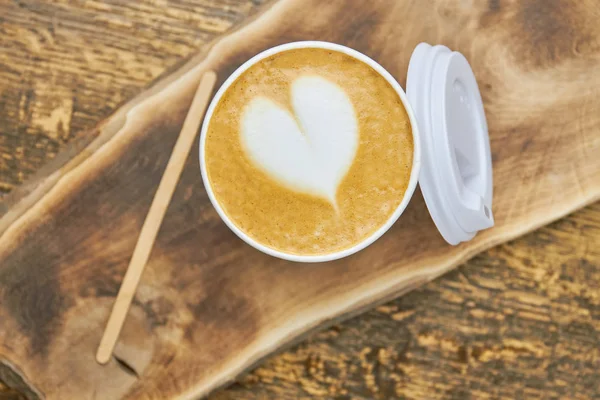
(208, 306)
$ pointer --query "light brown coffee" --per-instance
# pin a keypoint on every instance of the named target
(301, 223)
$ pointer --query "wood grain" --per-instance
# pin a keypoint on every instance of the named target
(67, 65)
(521, 321)
(520, 120)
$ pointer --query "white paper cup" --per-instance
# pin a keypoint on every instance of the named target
(414, 175)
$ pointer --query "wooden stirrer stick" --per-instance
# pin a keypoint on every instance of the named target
(158, 208)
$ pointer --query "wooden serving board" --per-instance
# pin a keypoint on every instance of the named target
(209, 306)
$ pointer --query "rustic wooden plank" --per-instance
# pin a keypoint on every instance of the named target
(550, 52)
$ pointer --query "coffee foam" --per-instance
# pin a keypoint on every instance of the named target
(298, 221)
(309, 150)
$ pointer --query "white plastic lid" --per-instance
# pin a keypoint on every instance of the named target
(456, 169)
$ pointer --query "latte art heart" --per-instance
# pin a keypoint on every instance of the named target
(310, 150)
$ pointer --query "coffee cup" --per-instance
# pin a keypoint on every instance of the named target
(468, 169)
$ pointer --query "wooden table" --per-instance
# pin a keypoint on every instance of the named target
(519, 321)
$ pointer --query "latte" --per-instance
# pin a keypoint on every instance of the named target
(309, 151)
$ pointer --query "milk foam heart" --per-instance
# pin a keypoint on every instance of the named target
(310, 150)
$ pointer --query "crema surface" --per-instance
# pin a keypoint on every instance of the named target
(309, 151)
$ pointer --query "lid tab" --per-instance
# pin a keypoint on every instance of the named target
(456, 171)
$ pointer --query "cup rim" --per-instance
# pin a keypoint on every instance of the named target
(412, 184)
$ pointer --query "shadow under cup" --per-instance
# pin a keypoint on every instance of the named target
(414, 173)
